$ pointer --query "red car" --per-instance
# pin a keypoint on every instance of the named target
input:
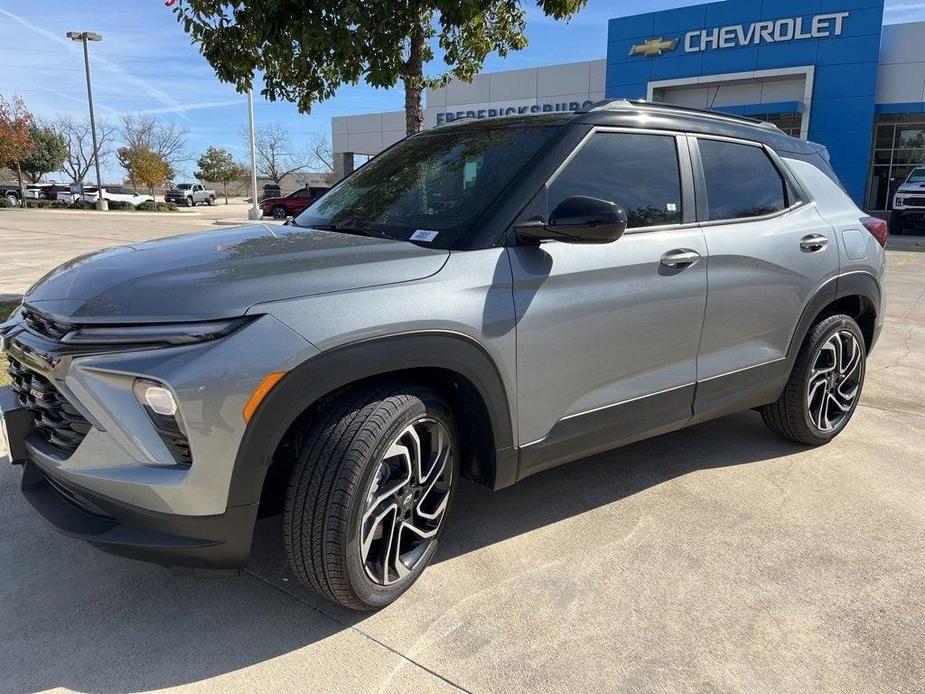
(292, 204)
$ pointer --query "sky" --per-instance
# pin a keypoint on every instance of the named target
(146, 64)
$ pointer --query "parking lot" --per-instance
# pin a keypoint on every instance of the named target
(32, 242)
(719, 558)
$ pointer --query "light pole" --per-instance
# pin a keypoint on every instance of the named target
(84, 37)
(254, 212)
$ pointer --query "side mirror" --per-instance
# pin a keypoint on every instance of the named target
(578, 219)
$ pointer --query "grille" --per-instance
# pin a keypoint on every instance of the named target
(45, 326)
(55, 419)
(915, 202)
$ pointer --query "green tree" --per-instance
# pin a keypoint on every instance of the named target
(149, 169)
(306, 49)
(218, 165)
(48, 153)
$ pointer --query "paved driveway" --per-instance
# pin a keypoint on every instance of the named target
(714, 559)
(32, 242)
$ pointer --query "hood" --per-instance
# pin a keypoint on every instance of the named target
(911, 188)
(221, 274)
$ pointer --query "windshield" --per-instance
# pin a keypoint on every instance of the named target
(184, 186)
(431, 188)
(917, 175)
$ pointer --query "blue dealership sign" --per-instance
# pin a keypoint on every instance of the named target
(834, 44)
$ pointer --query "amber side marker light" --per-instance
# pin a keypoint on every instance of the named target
(260, 392)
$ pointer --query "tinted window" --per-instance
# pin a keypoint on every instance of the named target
(300, 194)
(638, 172)
(440, 181)
(741, 181)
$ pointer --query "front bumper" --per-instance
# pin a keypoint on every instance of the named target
(209, 543)
(117, 489)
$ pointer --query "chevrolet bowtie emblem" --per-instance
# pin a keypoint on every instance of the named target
(654, 47)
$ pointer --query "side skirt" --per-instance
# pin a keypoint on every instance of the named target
(740, 390)
(582, 435)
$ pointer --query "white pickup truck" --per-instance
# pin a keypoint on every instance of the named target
(189, 194)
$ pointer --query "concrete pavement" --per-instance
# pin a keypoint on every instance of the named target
(719, 558)
(32, 242)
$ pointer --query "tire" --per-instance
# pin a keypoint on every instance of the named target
(190, 202)
(210, 201)
(346, 495)
(825, 385)
(279, 212)
(12, 200)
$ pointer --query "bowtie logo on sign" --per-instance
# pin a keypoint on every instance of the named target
(654, 47)
(820, 26)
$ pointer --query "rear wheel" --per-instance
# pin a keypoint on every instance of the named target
(279, 212)
(211, 200)
(824, 386)
(12, 200)
(365, 506)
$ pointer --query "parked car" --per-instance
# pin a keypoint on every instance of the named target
(72, 194)
(46, 191)
(292, 204)
(11, 193)
(115, 194)
(909, 202)
(190, 194)
(483, 300)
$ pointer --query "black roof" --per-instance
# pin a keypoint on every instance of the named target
(655, 116)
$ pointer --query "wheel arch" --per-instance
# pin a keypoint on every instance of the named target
(856, 294)
(455, 365)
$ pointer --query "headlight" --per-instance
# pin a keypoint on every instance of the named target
(899, 202)
(154, 333)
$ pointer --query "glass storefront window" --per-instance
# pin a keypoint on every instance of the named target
(899, 145)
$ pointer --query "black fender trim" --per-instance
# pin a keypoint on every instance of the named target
(334, 369)
(860, 283)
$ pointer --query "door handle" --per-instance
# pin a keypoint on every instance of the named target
(680, 258)
(813, 243)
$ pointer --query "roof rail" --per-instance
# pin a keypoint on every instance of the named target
(662, 105)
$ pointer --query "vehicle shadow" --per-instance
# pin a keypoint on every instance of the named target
(76, 618)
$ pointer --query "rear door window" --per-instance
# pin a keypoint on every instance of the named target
(741, 181)
(639, 172)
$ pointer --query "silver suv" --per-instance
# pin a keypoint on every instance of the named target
(485, 300)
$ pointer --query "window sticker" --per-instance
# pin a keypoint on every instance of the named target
(671, 207)
(424, 235)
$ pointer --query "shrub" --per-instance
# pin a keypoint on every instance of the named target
(120, 205)
(148, 206)
(4, 202)
(47, 204)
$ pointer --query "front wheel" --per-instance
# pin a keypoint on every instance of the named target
(12, 200)
(825, 385)
(366, 503)
(279, 212)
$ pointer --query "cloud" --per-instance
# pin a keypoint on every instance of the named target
(170, 104)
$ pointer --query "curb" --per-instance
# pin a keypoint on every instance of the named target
(108, 213)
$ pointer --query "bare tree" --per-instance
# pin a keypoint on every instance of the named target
(79, 140)
(322, 154)
(276, 156)
(145, 132)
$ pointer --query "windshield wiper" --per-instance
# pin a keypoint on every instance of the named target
(347, 228)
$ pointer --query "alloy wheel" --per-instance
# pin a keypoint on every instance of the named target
(406, 501)
(835, 381)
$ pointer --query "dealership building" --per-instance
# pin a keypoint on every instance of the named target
(826, 70)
